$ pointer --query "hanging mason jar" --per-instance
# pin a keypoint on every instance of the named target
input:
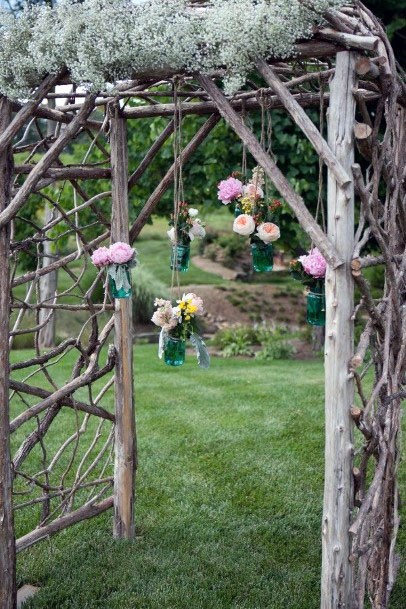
(175, 351)
(316, 305)
(262, 257)
(180, 257)
(119, 288)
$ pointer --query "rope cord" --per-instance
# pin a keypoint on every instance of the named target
(178, 193)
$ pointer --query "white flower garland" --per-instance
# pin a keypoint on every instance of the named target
(102, 41)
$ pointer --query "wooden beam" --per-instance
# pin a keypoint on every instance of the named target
(305, 100)
(46, 161)
(125, 439)
(68, 172)
(27, 111)
(336, 584)
(83, 513)
(304, 122)
(275, 175)
(8, 593)
(351, 41)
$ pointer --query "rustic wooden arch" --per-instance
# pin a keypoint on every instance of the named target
(360, 519)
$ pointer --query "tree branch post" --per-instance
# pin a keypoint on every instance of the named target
(8, 597)
(125, 440)
(336, 581)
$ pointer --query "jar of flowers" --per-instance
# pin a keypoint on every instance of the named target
(185, 227)
(254, 216)
(119, 258)
(178, 323)
(310, 269)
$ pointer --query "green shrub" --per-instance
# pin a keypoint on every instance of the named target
(145, 289)
(241, 340)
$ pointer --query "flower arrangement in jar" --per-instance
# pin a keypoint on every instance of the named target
(119, 258)
(185, 227)
(310, 269)
(254, 216)
(179, 323)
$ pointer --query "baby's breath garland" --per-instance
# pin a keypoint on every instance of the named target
(102, 41)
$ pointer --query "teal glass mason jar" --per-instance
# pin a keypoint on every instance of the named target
(237, 210)
(316, 305)
(180, 257)
(175, 351)
(262, 257)
(122, 292)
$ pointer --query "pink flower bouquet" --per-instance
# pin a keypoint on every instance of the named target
(118, 258)
(310, 269)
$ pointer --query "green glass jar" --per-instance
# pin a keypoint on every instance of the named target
(175, 351)
(262, 257)
(180, 257)
(122, 292)
(316, 305)
(237, 210)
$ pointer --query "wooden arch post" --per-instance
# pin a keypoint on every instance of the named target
(125, 440)
(336, 582)
(7, 542)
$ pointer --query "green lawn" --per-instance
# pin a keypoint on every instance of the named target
(229, 496)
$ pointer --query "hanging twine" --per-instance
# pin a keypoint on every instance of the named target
(178, 193)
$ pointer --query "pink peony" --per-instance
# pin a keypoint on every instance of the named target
(253, 191)
(314, 263)
(120, 253)
(244, 225)
(101, 257)
(268, 232)
(229, 189)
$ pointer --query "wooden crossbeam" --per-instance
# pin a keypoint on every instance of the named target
(275, 175)
(304, 122)
(47, 160)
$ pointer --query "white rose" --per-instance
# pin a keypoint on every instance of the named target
(268, 232)
(171, 234)
(244, 225)
(193, 212)
(197, 230)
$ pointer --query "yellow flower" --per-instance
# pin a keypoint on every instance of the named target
(246, 204)
(191, 309)
(187, 317)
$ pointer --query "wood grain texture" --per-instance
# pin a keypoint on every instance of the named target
(274, 174)
(337, 585)
(8, 593)
(125, 438)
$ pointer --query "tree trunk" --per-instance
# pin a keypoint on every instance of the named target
(337, 588)
(8, 596)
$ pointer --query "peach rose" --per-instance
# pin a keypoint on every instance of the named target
(268, 232)
(253, 191)
(244, 225)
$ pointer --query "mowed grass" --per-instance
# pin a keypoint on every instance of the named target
(229, 497)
